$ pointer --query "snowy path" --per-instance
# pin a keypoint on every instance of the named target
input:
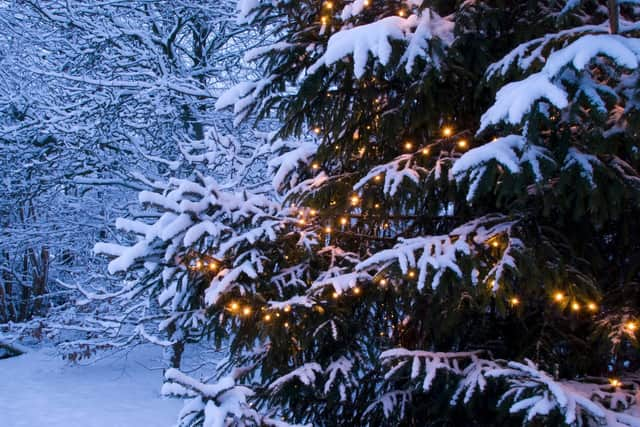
(36, 389)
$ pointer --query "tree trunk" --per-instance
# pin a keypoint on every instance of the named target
(614, 16)
(26, 291)
(40, 276)
(173, 353)
(4, 311)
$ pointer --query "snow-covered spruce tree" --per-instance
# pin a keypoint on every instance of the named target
(437, 258)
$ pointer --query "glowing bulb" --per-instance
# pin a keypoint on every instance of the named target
(366, 2)
(412, 274)
(383, 282)
(329, 5)
(315, 166)
(377, 206)
(401, 13)
(355, 200)
(377, 178)
(447, 131)
(316, 130)
(246, 311)
(324, 21)
(198, 265)
(408, 145)
(234, 306)
(356, 290)
(615, 382)
(425, 151)
(514, 301)
(558, 296)
(302, 221)
(286, 325)
(343, 221)
(631, 326)
(592, 306)
(362, 150)
(313, 212)
(267, 317)
(575, 306)
(462, 144)
(495, 243)
(327, 229)
(335, 295)
(287, 308)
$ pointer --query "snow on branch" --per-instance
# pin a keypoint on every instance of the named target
(374, 38)
(395, 172)
(432, 256)
(516, 99)
(511, 152)
(529, 389)
(214, 405)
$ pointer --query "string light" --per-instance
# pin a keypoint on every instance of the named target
(343, 221)
(315, 166)
(377, 178)
(447, 131)
(592, 306)
(267, 317)
(198, 265)
(355, 200)
(383, 282)
(462, 144)
(286, 325)
(234, 306)
(366, 2)
(408, 145)
(324, 21)
(335, 295)
(313, 212)
(615, 382)
(327, 229)
(514, 301)
(558, 296)
(631, 326)
(401, 13)
(328, 5)
(287, 308)
(356, 290)
(412, 274)
(302, 221)
(425, 151)
(575, 306)
(316, 130)
(213, 266)
(246, 311)
(495, 243)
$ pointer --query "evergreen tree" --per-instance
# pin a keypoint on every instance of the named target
(428, 255)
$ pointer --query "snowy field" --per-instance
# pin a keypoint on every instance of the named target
(39, 389)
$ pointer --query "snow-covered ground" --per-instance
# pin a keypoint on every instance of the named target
(38, 389)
